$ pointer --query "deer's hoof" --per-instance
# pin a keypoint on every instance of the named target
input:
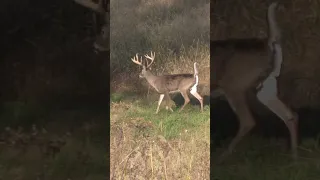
(169, 108)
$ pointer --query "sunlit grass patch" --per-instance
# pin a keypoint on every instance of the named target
(169, 124)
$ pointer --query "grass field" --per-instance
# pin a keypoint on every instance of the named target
(268, 159)
(167, 145)
(265, 154)
(67, 144)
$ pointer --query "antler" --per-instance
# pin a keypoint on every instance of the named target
(151, 58)
(135, 59)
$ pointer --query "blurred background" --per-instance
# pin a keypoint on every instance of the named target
(265, 151)
(54, 107)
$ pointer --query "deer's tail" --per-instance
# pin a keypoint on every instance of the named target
(274, 40)
(195, 75)
(195, 69)
(274, 30)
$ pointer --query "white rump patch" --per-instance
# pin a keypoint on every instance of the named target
(268, 90)
(194, 87)
(268, 94)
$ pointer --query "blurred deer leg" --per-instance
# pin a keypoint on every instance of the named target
(186, 99)
(168, 101)
(238, 102)
(268, 96)
(194, 92)
(169, 108)
(159, 102)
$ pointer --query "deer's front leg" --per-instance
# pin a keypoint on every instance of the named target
(159, 102)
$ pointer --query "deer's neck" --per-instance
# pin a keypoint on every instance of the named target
(151, 79)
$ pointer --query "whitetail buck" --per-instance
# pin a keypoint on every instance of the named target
(251, 65)
(102, 40)
(167, 84)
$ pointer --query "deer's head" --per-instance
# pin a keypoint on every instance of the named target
(146, 65)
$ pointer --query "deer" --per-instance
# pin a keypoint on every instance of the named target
(242, 66)
(170, 83)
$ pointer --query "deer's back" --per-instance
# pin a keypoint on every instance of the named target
(239, 63)
(175, 82)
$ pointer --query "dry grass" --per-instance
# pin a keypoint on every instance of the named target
(140, 149)
(178, 31)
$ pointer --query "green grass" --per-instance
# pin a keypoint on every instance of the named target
(262, 159)
(167, 123)
(171, 144)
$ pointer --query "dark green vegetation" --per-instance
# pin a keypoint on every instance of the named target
(60, 144)
(268, 159)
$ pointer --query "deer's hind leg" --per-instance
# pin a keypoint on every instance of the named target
(185, 97)
(269, 97)
(238, 102)
(194, 92)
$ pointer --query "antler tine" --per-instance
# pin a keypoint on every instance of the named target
(135, 59)
(151, 58)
